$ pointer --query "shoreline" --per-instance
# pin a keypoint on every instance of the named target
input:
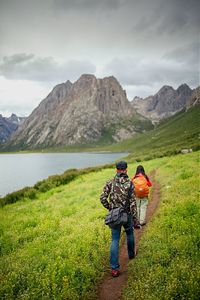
(58, 177)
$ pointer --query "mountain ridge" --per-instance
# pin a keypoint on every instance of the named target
(79, 113)
(165, 103)
(8, 126)
(96, 110)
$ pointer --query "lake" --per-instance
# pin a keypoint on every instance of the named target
(20, 170)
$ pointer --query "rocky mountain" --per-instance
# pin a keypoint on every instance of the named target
(194, 99)
(86, 111)
(8, 126)
(15, 119)
(165, 103)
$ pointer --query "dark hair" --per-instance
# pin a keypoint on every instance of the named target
(140, 169)
(121, 165)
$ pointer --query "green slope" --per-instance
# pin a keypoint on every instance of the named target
(168, 264)
(178, 132)
(168, 138)
(57, 246)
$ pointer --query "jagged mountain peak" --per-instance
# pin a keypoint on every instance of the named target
(13, 115)
(68, 83)
(165, 89)
(89, 81)
(15, 119)
(184, 89)
(87, 77)
(111, 78)
(77, 113)
(166, 102)
(56, 96)
(8, 126)
(60, 87)
(84, 82)
(136, 98)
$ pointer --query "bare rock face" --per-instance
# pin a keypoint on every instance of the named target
(194, 99)
(163, 104)
(123, 133)
(75, 113)
(39, 127)
(93, 103)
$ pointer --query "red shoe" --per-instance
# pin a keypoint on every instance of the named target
(115, 273)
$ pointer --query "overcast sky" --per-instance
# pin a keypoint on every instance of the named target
(144, 44)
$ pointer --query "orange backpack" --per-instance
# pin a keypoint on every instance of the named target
(141, 187)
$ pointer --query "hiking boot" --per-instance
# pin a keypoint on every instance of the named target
(132, 257)
(115, 273)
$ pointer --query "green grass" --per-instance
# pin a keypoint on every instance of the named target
(168, 264)
(57, 246)
(31, 193)
(178, 132)
(54, 244)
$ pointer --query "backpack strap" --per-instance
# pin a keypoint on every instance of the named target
(131, 189)
(127, 204)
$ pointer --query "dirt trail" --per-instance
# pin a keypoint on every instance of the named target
(111, 288)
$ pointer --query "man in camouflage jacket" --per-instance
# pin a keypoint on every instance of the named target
(120, 191)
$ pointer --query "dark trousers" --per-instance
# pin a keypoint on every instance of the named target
(114, 249)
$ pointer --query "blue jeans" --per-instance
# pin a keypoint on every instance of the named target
(114, 249)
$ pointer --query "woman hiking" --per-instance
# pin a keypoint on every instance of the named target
(142, 183)
(120, 191)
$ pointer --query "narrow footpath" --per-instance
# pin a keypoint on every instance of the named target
(111, 288)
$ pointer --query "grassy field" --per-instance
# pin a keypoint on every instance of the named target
(57, 247)
(48, 184)
(168, 263)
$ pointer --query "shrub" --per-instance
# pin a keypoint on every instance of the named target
(48, 184)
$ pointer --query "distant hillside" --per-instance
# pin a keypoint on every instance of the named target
(165, 103)
(180, 131)
(8, 126)
(86, 111)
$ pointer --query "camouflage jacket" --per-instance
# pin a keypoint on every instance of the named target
(119, 190)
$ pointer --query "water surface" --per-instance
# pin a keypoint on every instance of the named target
(20, 170)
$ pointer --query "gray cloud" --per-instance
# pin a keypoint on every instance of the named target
(89, 4)
(145, 44)
(30, 67)
(168, 17)
(137, 71)
(186, 55)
